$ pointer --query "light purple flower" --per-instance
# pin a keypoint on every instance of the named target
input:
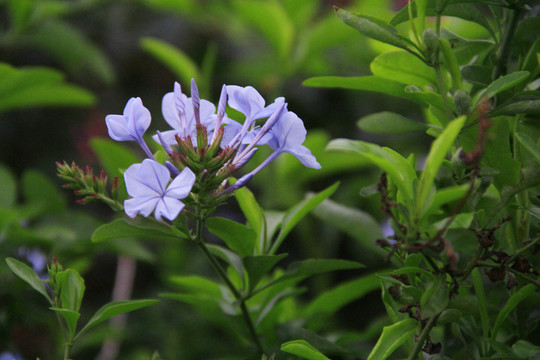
(178, 112)
(132, 124)
(289, 134)
(148, 184)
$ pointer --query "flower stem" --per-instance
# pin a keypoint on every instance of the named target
(423, 336)
(225, 278)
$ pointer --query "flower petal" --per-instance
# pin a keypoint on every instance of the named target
(168, 207)
(140, 205)
(117, 126)
(138, 117)
(181, 186)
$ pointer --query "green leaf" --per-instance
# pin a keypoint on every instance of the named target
(271, 21)
(120, 229)
(529, 144)
(298, 212)
(38, 86)
(445, 196)
(329, 302)
(439, 148)
(39, 190)
(455, 8)
(526, 350)
(299, 270)
(71, 288)
(396, 166)
(367, 83)
(518, 107)
(8, 195)
(27, 274)
(258, 266)
(355, 223)
(113, 309)
(174, 59)
(389, 123)
(115, 158)
(501, 84)
(403, 67)
(482, 302)
(302, 349)
(71, 318)
(238, 237)
(435, 299)
(510, 305)
(477, 75)
(228, 256)
(392, 337)
(250, 208)
(372, 27)
(198, 285)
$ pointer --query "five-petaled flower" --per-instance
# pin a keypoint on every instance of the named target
(148, 184)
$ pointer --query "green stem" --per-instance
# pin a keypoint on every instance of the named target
(225, 278)
(423, 336)
(67, 351)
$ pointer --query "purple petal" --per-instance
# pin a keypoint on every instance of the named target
(117, 126)
(181, 186)
(305, 156)
(138, 116)
(140, 205)
(247, 100)
(168, 208)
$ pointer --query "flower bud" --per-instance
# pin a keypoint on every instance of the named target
(431, 41)
(462, 101)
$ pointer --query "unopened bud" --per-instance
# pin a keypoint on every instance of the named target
(462, 102)
(431, 41)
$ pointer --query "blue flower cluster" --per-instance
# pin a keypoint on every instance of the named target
(203, 142)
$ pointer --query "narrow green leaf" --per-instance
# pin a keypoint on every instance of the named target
(27, 274)
(71, 287)
(238, 237)
(71, 318)
(389, 123)
(120, 229)
(372, 27)
(518, 107)
(228, 256)
(510, 305)
(445, 196)
(396, 166)
(392, 337)
(403, 67)
(529, 144)
(302, 349)
(455, 8)
(174, 59)
(250, 208)
(367, 83)
(501, 84)
(114, 308)
(526, 350)
(440, 147)
(329, 302)
(482, 302)
(298, 212)
(198, 285)
(435, 298)
(8, 195)
(302, 269)
(258, 266)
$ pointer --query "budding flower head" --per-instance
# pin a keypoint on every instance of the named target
(206, 147)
